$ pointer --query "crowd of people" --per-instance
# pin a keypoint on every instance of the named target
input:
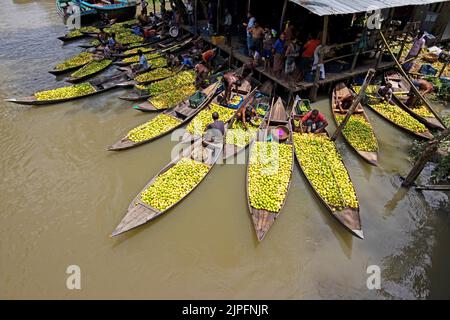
(281, 53)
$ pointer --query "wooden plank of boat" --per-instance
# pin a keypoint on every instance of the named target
(423, 135)
(65, 38)
(262, 219)
(173, 41)
(348, 217)
(399, 84)
(182, 112)
(341, 90)
(140, 213)
(231, 150)
(87, 76)
(100, 85)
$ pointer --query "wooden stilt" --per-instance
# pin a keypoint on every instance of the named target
(424, 157)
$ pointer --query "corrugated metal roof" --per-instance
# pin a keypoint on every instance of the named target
(331, 7)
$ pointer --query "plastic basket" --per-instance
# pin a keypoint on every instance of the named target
(428, 69)
(196, 99)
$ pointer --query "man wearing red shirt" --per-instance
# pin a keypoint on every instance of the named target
(314, 121)
(308, 53)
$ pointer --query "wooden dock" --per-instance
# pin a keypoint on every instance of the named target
(297, 86)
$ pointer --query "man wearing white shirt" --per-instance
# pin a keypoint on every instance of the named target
(249, 25)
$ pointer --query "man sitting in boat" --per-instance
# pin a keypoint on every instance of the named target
(314, 122)
(215, 130)
(143, 18)
(202, 73)
(246, 114)
(143, 63)
(423, 86)
(345, 102)
(386, 92)
(102, 37)
(229, 80)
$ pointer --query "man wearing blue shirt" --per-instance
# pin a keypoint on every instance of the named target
(143, 63)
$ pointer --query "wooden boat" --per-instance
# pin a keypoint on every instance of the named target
(262, 96)
(244, 90)
(121, 10)
(423, 135)
(348, 217)
(73, 79)
(341, 90)
(59, 72)
(100, 85)
(124, 63)
(140, 213)
(182, 112)
(399, 84)
(264, 219)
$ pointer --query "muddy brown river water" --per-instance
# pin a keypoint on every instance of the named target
(62, 194)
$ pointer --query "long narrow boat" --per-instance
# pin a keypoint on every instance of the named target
(180, 115)
(201, 154)
(149, 106)
(234, 145)
(365, 144)
(121, 10)
(401, 87)
(97, 86)
(98, 67)
(347, 215)
(374, 100)
(267, 191)
(76, 62)
(244, 91)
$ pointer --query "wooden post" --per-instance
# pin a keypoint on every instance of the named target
(218, 16)
(413, 87)
(443, 69)
(424, 157)
(195, 17)
(283, 13)
(315, 88)
(154, 7)
(356, 102)
(402, 46)
(355, 58)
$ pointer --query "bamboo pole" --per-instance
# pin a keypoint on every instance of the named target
(442, 69)
(424, 157)
(413, 87)
(283, 13)
(195, 17)
(356, 102)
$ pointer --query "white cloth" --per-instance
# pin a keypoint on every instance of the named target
(228, 20)
(316, 62)
(189, 8)
(250, 25)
